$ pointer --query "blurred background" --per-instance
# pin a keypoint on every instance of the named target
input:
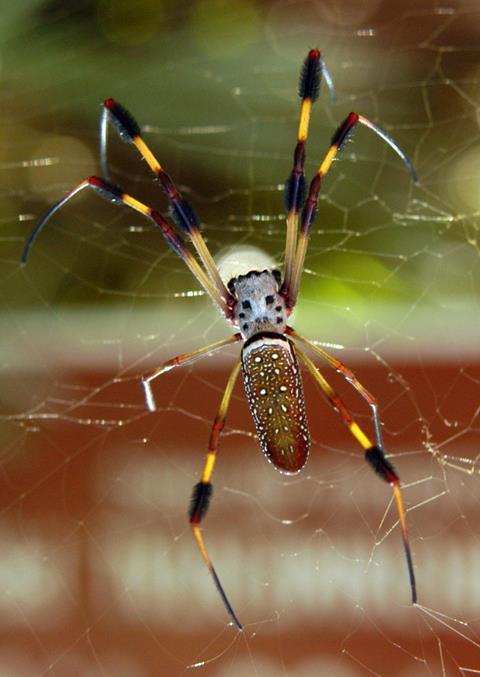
(99, 573)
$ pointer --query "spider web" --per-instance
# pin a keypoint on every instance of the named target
(99, 573)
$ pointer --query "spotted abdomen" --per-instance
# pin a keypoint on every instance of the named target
(275, 396)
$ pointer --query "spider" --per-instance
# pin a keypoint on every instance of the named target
(259, 305)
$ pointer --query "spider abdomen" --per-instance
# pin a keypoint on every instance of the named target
(274, 392)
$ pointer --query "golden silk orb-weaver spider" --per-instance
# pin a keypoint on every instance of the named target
(259, 305)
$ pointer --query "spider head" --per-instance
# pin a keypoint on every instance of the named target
(259, 305)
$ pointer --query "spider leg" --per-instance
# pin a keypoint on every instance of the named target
(374, 455)
(114, 194)
(203, 490)
(295, 185)
(181, 211)
(310, 207)
(348, 376)
(180, 360)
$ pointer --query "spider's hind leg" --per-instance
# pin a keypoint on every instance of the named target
(375, 457)
(202, 491)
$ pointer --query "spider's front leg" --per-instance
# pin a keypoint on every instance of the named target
(116, 195)
(181, 211)
(294, 267)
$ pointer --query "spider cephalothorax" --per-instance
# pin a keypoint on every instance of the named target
(259, 304)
